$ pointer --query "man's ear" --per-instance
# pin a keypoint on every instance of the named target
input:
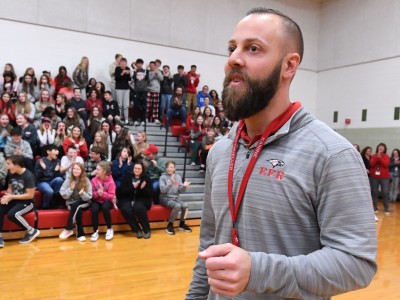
(290, 65)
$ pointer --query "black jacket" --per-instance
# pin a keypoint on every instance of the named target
(126, 191)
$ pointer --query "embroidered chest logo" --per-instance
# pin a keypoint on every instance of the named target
(272, 170)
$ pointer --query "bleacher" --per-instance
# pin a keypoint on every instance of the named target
(51, 222)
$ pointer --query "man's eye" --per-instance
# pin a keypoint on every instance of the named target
(253, 49)
(231, 49)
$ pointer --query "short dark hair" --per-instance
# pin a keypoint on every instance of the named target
(178, 87)
(17, 160)
(117, 55)
(123, 59)
(291, 27)
(152, 62)
(180, 67)
(139, 61)
(16, 131)
(166, 66)
(193, 66)
(51, 147)
(77, 88)
(96, 150)
(158, 61)
(108, 92)
(71, 147)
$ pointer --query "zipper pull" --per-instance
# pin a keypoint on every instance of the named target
(248, 154)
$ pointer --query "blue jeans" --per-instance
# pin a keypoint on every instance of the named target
(173, 113)
(48, 189)
(165, 98)
(156, 191)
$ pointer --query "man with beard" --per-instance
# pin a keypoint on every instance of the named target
(298, 221)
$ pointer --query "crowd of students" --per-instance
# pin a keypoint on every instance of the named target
(383, 173)
(79, 152)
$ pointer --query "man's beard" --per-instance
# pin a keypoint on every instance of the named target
(255, 95)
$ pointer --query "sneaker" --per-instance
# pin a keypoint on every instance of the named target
(139, 234)
(109, 234)
(29, 237)
(142, 123)
(157, 121)
(184, 228)
(170, 229)
(193, 163)
(183, 124)
(136, 123)
(1, 242)
(147, 235)
(81, 238)
(95, 236)
(65, 234)
(376, 219)
(387, 213)
(202, 166)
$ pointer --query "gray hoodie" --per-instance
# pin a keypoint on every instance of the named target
(154, 81)
(169, 190)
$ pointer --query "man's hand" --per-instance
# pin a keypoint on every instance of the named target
(228, 268)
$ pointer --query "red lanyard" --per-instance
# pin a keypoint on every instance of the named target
(272, 128)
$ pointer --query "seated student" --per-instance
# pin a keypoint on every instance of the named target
(25, 107)
(140, 145)
(177, 106)
(17, 146)
(46, 135)
(124, 139)
(93, 101)
(192, 117)
(110, 135)
(5, 129)
(68, 160)
(76, 139)
(18, 199)
(67, 90)
(43, 102)
(208, 117)
(72, 119)
(95, 115)
(77, 191)
(218, 127)
(134, 199)
(28, 131)
(103, 188)
(171, 186)
(208, 104)
(206, 144)
(196, 134)
(78, 103)
(122, 165)
(201, 95)
(61, 106)
(48, 176)
(95, 156)
(110, 108)
(7, 107)
(100, 141)
(61, 136)
(155, 166)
